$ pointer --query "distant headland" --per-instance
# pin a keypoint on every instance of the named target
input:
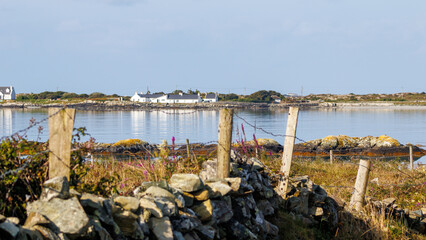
(209, 100)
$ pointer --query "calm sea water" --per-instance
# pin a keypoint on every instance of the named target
(407, 124)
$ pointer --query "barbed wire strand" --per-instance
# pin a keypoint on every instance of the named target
(267, 132)
(32, 124)
(24, 131)
(24, 165)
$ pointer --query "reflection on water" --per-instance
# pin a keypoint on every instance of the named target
(6, 121)
(405, 124)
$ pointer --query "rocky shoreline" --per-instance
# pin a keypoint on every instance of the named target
(382, 146)
(128, 106)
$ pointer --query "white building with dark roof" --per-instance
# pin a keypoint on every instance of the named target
(166, 98)
(140, 97)
(7, 93)
(184, 98)
(211, 97)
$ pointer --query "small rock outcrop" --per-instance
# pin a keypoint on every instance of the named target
(343, 142)
(365, 146)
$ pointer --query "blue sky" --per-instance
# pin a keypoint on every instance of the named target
(241, 46)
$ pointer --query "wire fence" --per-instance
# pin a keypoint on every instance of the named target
(266, 131)
(23, 166)
(27, 158)
(35, 123)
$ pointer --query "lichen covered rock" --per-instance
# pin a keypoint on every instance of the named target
(186, 182)
(128, 142)
(71, 219)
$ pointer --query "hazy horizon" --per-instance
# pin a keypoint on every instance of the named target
(123, 46)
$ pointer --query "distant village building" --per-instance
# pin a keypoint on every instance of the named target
(292, 95)
(276, 98)
(7, 93)
(211, 97)
(140, 97)
(166, 98)
(184, 98)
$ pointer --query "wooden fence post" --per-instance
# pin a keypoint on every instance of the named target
(61, 124)
(290, 137)
(411, 157)
(224, 142)
(187, 149)
(331, 156)
(357, 199)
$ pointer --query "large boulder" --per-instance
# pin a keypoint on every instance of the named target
(218, 188)
(329, 142)
(162, 184)
(91, 202)
(127, 222)
(209, 172)
(204, 210)
(57, 187)
(162, 228)
(385, 142)
(234, 183)
(346, 141)
(67, 214)
(155, 191)
(151, 207)
(366, 142)
(127, 203)
(186, 182)
(164, 200)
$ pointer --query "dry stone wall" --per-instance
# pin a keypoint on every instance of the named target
(188, 207)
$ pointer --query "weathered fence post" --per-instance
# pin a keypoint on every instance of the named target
(411, 157)
(61, 125)
(357, 199)
(331, 156)
(187, 149)
(290, 137)
(224, 142)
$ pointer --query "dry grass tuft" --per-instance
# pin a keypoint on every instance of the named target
(122, 177)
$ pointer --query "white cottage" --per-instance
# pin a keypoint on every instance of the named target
(211, 97)
(140, 97)
(184, 98)
(7, 93)
(166, 98)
